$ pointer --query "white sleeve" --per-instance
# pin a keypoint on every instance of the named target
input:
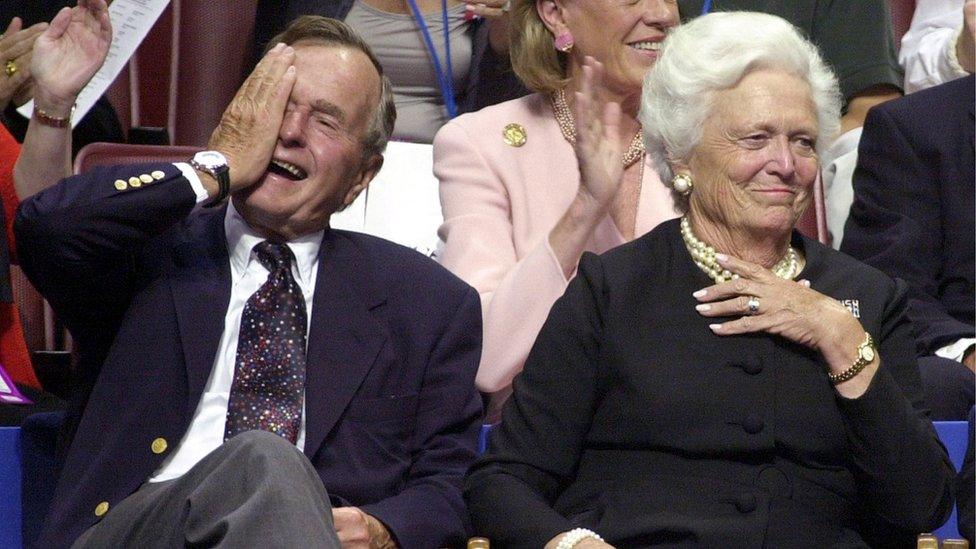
(839, 162)
(191, 175)
(956, 351)
(928, 49)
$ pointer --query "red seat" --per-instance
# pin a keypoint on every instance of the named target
(108, 154)
(813, 222)
(187, 69)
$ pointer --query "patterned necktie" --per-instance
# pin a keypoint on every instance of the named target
(269, 372)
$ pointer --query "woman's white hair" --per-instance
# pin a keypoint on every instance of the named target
(712, 53)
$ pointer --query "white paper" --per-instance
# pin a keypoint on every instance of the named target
(131, 21)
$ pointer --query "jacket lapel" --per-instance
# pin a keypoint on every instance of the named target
(344, 338)
(201, 292)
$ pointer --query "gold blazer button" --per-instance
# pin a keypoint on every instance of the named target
(159, 445)
(146, 178)
(157, 175)
(121, 185)
(135, 182)
(101, 509)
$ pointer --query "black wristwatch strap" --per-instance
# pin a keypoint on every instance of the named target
(222, 175)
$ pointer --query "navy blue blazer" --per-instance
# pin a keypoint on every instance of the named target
(912, 215)
(142, 279)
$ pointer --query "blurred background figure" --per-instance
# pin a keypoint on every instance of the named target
(101, 123)
(519, 209)
(64, 58)
(443, 57)
(940, 45)
(912, 218)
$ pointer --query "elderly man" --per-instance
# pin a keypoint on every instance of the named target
(210, 418)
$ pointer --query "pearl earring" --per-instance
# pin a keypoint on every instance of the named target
(682, 184)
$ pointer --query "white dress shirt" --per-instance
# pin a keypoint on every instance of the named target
(206, 431)
(838, 162)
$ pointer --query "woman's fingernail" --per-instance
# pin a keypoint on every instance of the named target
(703, 307)
(700, 293)
(715, 327)
(721, 257)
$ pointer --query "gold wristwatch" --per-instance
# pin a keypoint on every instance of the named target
(866, 352)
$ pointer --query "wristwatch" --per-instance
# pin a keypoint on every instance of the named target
(866, 352)
(215, 164)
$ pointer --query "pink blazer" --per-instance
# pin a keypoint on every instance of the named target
(500, 202)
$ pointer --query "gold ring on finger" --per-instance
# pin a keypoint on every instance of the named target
(10, 68)
(753, 305)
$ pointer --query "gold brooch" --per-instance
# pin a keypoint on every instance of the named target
(514, 135)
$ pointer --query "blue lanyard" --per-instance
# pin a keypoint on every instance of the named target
(446, 82)
(706, 7)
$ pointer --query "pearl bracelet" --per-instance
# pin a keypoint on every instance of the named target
(576, 535)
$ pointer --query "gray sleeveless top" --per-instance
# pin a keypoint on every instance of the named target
(399, 45)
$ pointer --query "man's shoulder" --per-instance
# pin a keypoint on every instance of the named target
(530, 110)
(397, 266)
(933, 104)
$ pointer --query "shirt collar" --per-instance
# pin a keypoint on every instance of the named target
(241, 239)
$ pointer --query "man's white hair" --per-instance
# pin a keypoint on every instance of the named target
(713, 53)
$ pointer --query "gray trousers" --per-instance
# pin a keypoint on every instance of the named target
(256, 490)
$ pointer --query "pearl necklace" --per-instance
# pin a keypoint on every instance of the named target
(704, 257)
(567, 125)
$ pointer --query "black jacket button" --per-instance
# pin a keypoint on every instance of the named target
(745, 503)
(752, 368)
(753, 424)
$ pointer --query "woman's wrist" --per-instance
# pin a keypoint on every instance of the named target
(52, 105)
(841, 352)
(846, 368)
(840, 336)
(587, 209)
(569, 237)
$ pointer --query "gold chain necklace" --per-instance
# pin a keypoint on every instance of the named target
(567, 125)
(704, 257)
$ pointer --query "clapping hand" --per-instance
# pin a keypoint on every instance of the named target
(16, 47)
(598, 149)
(68, 54)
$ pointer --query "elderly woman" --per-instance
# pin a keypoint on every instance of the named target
(517, 215)
(721, 381)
